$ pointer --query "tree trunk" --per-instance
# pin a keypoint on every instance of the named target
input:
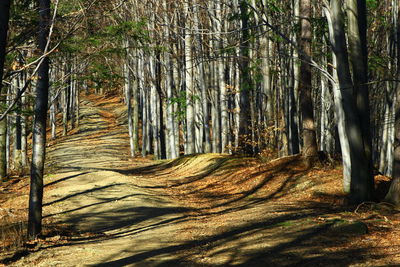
(189, 84)
(310, 148)
(357, 28)
(360, 184)
(393, 195)
(172, 152)
(17, 131)
(128, 99)
(4, 17)
(340, 117)
(245, 145)
(39, 128)
(221, 76)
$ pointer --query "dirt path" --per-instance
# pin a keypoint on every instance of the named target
(204, 210)
(91, 195)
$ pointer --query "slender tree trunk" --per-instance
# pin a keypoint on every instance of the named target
(39, 128)
(170, 119)
(17, 161)
(24, 142)
(215, 114)
(77, 99)
(221, 77)
(189, 84)
(245, 145)
(53, 118)
(128, 99)
(135, 114)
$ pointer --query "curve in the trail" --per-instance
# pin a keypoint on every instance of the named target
(110, 216)
(199, 210)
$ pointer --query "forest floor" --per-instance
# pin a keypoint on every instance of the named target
(104, 209)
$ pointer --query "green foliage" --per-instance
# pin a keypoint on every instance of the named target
(378, 64)
(272, 6)
(133, 30)
(66, 8)
(320, 26)
(372, 4)
(103, 77)
(180, 100)
(23, 23)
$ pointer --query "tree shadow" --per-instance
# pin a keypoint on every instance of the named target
(65, 179)
(247, 226)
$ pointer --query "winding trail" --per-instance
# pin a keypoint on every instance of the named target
(203, 210)
(92, 195)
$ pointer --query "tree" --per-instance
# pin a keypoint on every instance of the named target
(245, 145)
(393, 195)
(360, 185)
(310, 148)
(4, 17)
(39, 126)
(358, 55)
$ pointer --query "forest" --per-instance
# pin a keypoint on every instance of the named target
(219, 108)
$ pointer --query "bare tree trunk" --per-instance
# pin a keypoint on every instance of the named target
(357, 27)
(17, 160)
(128, 98)
(170, 120)
(245, 145)
(393, 195)
(189, 84)
(39, 128)
(77, 107)
(4, 17)
(310, 148)
(221, 76)
(360, 189)
(215, 114)
(65, 102)
(24, 142)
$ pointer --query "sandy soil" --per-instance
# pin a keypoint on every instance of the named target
(204, 210)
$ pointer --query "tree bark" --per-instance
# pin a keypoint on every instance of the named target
(393, 195)
(4, 17)
(189, 84)
(245, 145)
(39, 128)
(360, 184)
(358, 52)
(310, 148)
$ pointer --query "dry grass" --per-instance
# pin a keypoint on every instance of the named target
(13, 214)
(225, 192)
(12, 231)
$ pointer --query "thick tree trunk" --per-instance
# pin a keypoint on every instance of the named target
(357, 28)
(170, 117)
(221, 76)
(393, 195)
(39, 128)
(360, 184)
(4, 17)
(310, 148)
